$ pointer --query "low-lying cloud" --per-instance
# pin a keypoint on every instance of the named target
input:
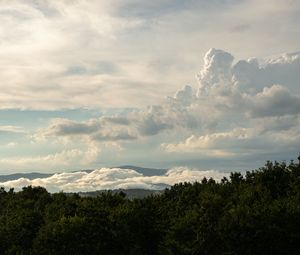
(114, 178)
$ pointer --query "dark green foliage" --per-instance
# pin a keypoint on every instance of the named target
(255, 213)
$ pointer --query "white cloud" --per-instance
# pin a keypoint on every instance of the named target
(131, 54)
(114, 178)
(63, 159)
(217, 144)
(72, 54)
(239, 93)
(12, 144)
(223, 118)
(11, 129)
(216, 70)
(254, 77)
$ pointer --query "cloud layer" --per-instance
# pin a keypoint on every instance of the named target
(73, 54)
(113, 178)
(134, 55)
(240, 108)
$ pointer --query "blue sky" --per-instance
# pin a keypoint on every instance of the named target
(205, 84)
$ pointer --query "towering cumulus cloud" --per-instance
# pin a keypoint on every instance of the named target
(216, 69)
(248, 101)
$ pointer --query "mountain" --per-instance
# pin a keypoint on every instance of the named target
(146, 171)
(30, 176)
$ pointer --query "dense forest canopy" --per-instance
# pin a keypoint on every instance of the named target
(255, 213)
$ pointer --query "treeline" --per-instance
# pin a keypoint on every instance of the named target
(255, 213)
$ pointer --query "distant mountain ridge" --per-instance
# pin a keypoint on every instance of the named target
(30, 176)
(146, 171)
(34, 175)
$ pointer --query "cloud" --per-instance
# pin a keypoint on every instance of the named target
(267, 89)
(114, 178)
(133, 54)
(102, 129)
(11, 129)
(63, 159)
(121, 53)
(216, 69)
(222, 144)
(274, 101)
(253, 77)
(68, 127)
(185, 95)
(235, 111)
(223, 118)
(11, 144)
(238, 94)
(158, 8)
(151, 121)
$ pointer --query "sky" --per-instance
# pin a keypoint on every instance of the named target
(162, 83)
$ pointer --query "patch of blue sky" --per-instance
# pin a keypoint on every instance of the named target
(100, 67)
